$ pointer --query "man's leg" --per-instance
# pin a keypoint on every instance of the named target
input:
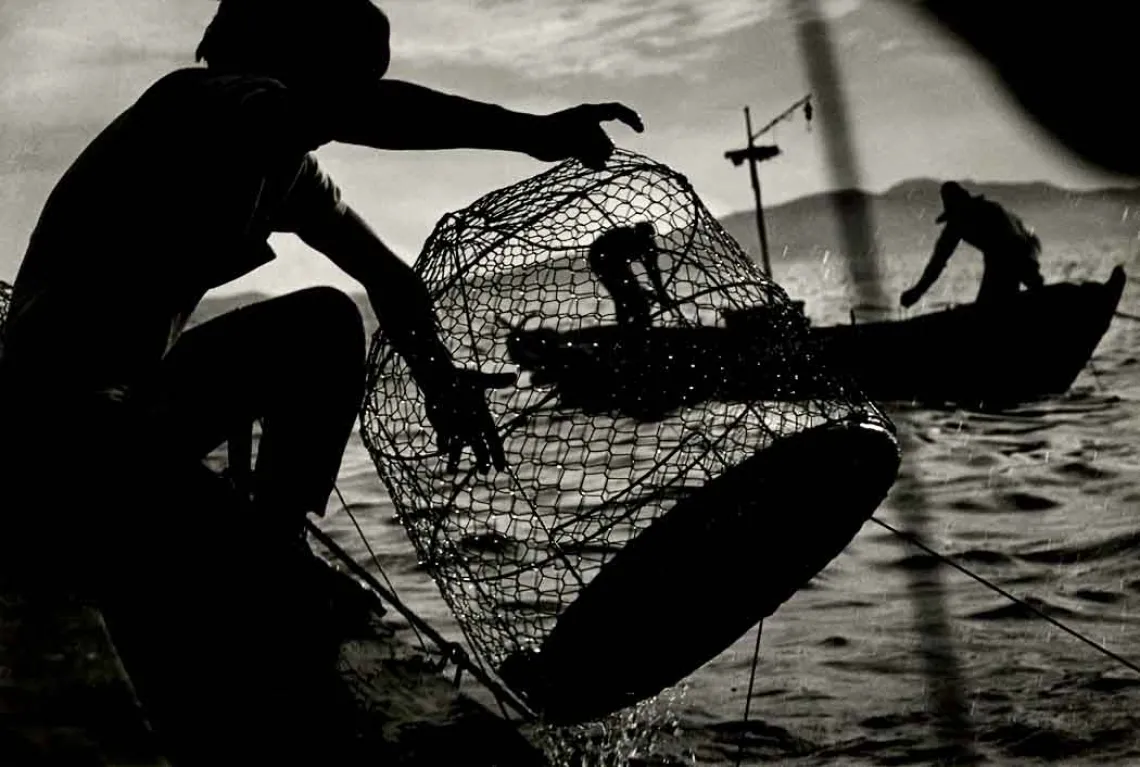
(297, 363)
(636, 303)
(235, 643)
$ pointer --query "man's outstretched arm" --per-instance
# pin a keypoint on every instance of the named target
(392, 114)
(943, 249)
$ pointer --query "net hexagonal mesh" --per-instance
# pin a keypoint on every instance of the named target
(681, 459)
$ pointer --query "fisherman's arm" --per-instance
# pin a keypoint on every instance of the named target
(943, 249)
(394, 114)
(395, 292)
(651, 261)
(454, 397)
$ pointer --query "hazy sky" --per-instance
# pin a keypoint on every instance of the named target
(920, 104)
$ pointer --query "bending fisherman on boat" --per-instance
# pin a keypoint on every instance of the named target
(100, 384)
(1010, 249)
(612, 256)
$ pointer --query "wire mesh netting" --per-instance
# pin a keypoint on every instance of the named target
(681, 459)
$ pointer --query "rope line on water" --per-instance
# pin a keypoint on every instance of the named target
(457, 654)
(372, 555)
(452, 650)
(1013, 598)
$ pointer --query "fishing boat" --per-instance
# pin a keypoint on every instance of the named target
(976, 356)
(648, 372)
(968, 355)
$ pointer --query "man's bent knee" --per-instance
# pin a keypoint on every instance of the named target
(331, 317)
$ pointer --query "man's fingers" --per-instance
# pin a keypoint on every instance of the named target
(594, 162)
(476, 427)
(616, 111)
(489, 436)
(596, 150)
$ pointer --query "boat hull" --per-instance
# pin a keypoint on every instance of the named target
(969, 356)
(977, 357)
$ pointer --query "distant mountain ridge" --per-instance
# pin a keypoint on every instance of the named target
(903, 217)
(215, 305)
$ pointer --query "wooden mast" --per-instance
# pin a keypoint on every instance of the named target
(757, 153)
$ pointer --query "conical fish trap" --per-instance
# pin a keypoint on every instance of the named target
(680, 460)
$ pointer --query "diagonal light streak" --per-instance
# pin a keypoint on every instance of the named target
(944, 685)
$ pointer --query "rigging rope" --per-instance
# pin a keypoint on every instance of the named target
(372, 556)
(452, 652)
(751, 687)
(998, 589)
(458, 653)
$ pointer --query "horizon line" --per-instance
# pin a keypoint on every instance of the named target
(918, 180)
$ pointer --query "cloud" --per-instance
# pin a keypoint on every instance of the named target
(854, 37)
(78, 32)
(52, 51)
(552, 38)
(905, 47)
(43, 148)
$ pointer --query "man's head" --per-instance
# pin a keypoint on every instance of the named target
(299, 41)
(953, 197)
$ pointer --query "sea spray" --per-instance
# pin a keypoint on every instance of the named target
(648, 733)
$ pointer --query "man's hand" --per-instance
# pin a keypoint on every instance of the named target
(909, 297)
(577, 133)
(458, 411)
